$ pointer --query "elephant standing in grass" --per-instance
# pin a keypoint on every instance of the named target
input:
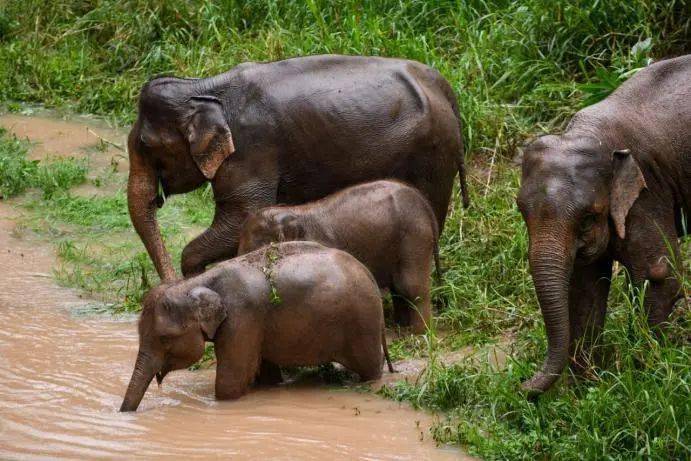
(292, 304)
(616, 185)
(387, 225)
(288, 132)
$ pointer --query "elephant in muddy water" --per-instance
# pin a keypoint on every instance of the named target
(291, 304)
(614, 186)
(288, 132)
(388, 226)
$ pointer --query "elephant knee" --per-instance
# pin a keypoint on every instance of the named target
(190, 263)
(659, 271)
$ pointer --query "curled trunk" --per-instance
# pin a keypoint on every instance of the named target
(551, 262)
(142, 375)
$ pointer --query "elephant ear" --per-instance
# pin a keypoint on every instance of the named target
(627, 184)
(208, 135)
(208, 309)
(289, 228)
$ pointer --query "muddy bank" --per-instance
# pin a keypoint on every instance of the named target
(63, 374)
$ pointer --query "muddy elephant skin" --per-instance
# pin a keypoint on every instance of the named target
(614, 186)
(288, 132)
(388, 226)
(289, 304)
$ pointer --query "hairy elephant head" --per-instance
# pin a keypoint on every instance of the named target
(174, 325)
(179, 141)
(269, 225)
(575, 196)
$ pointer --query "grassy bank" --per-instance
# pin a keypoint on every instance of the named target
(519, 68)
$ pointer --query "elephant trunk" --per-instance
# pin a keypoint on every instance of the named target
(142, 199)
(551, 262)
(144, 371)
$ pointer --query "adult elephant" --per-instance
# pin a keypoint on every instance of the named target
(288, 132)
(614, 186)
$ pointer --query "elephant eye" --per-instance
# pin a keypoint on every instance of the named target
(587, 222)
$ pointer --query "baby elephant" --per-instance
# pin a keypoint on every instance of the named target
(291, 304)
(388, 226)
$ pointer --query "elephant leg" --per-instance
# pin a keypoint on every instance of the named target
(238, 354)
(438, 192)
(411, 297)
(269, 374)
(401, 309)
(651, 253)
(365, 358)
(220, 240)
(587, 308)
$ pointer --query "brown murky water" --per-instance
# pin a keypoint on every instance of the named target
(62, 377)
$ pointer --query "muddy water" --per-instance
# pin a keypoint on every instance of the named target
(51, 136)
(63, 374)
(62, 377)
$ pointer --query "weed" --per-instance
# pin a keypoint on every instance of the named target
(272, 257)
(18, 173)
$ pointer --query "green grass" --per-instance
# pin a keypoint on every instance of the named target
(18, 173)
(519, 68)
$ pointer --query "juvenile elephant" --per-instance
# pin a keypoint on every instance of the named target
(288, 132)
(612, 187)
(388, 226)
(290, 304)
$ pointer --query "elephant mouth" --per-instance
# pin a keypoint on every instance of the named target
(160, 375)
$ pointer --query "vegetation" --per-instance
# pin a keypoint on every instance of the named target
(519, 69)
(17, 173)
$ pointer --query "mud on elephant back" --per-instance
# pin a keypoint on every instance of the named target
(288, 132)
(613, 186)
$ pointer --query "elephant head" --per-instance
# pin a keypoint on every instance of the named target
(575, 196)
(174, 325)
(275, 224)
(179, 141)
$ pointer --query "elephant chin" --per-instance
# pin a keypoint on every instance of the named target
(159, 377)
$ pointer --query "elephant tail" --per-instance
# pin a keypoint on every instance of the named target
(386, 349)
(460, 159)
(462, 178)
(437, 264)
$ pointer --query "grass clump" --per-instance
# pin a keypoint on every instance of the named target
(18, 173)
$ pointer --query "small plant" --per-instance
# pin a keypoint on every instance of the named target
(272, 257)
(17, 173)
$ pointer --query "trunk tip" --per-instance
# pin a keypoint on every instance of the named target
(538, 384)
(126, 408)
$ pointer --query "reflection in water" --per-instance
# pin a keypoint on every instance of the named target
(62, 379)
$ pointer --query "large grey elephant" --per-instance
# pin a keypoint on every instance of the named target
(288, 132)
(614, 186)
